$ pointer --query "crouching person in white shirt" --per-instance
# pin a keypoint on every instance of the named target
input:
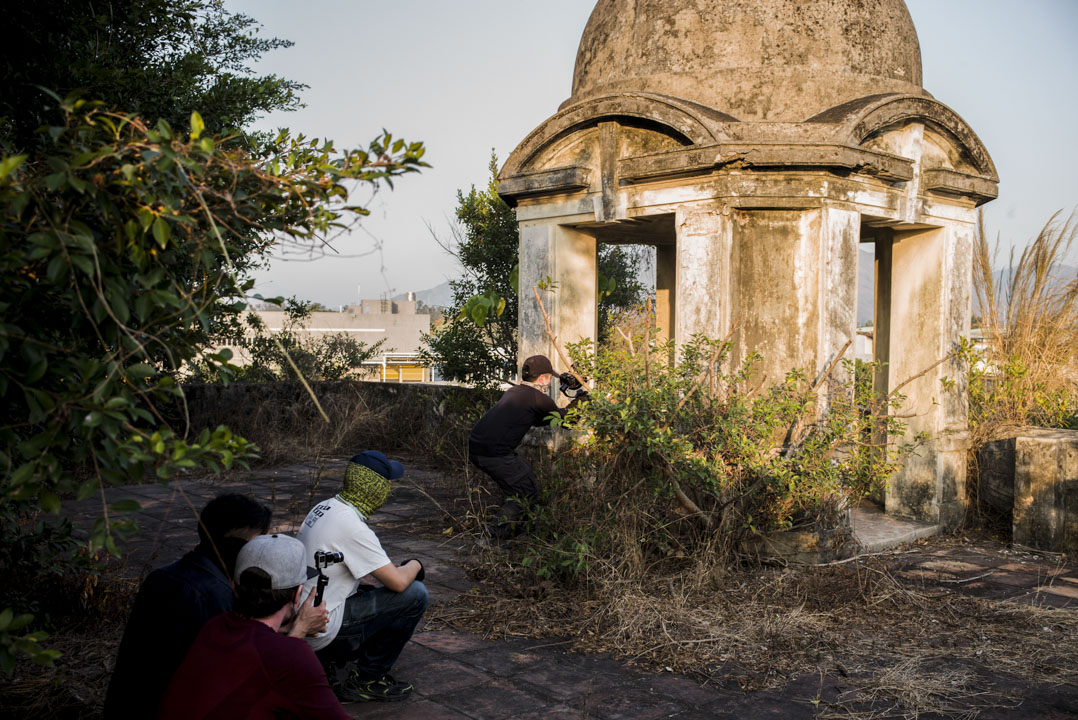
(367, 627)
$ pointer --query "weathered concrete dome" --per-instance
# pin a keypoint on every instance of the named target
(757, 60)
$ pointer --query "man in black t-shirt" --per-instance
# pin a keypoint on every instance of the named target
(496, 436)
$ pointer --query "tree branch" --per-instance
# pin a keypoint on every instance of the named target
(557, 346)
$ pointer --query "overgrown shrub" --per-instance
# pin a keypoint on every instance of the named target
(123, 249)
(683, 460)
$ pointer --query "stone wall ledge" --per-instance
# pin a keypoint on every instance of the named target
(765, 156)
(1031, 478)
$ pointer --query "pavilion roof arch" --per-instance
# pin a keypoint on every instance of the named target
(864, 119)
(857, 136)
(687, 122)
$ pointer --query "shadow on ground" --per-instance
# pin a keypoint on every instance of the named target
(460, 674)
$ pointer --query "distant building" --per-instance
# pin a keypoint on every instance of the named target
(397, 322)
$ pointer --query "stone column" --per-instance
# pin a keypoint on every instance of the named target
(881, 337)
(840, 239)
(703, 278)
(796, 285)
(551, 252)
(881, 312)
(929, 314)
(665, 291)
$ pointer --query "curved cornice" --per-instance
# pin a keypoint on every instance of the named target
(835, 139)
(695, 124)
(865, 117)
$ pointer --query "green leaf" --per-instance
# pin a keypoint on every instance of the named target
(127, 505)
(56, 268)
(278, 300)
(87, 489)
(5, 618)
(110, 546)
(139, 371)
(9, 164)
(119, 308)
(37, 371)
(145, 218)
(161, 232)
(46, 657)
(83, 263)
(7, 660)
(50, 503)
(197, 126)
(20, 622)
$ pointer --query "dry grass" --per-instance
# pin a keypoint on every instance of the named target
(1031, 330)
(901, 650)
(280, 418)
(75, 688)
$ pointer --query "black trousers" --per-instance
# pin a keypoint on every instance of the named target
(515, 478)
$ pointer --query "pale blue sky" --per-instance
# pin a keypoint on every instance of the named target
(470, 75)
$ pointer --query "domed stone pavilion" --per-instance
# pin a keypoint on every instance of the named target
(757, 144)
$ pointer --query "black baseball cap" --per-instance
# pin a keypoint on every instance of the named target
(535, 366)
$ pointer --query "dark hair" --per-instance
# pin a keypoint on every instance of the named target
(229, 512)
(256, 599)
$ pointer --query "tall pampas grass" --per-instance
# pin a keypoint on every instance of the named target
(1029, 318)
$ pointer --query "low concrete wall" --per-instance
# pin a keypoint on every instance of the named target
(1032, 478)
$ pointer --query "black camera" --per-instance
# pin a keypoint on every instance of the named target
(323, 559)
(570, 386)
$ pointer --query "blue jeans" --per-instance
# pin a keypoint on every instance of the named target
(375, 628)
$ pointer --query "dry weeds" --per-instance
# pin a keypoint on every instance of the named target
(1030, 325)
(76, 688)
(902, 650)
(280, 418)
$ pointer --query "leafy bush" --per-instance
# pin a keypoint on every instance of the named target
(124, 249)
(683, 460)
(159, 59)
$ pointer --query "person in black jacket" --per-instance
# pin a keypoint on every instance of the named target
(494, 439)
(175, 601)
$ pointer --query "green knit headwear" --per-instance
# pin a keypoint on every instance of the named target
(364, 489)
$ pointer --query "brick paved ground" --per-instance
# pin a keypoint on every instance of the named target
(459, 675)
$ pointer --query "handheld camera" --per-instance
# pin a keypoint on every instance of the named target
(323, 559)
(570, 386)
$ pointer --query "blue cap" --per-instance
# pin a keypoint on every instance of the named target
(389, 469)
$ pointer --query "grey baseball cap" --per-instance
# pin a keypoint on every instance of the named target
(281, 557)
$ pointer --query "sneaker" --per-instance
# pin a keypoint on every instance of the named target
(383, 689)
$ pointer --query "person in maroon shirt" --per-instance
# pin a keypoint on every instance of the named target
(240, 667)
(496, 436)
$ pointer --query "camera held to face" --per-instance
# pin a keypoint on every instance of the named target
(570, 386)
